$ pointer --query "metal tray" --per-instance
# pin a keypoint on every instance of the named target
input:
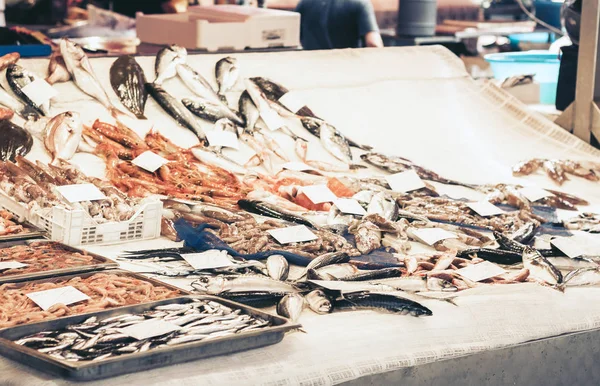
(129, 363)
(100, 263)
(35, 233)
(87, 274)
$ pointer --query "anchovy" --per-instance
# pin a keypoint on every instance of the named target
(176, 110)
(381, 302)
(269, 210)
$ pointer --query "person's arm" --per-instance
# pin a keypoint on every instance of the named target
(367, 25)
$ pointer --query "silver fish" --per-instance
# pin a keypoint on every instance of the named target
(186, 339)
(328, 259)
(217, 159)
(197, 83)
(81, 70)
(167, 60)
(291, 306)
(62, 135)
(226, 73)
(540, 268)
(319, 302)
(210, 111)
(249, 111)
(335, 143)
(57, 69)
(379, 204)
(437, 284)
(278, 267)
(18, 78)
(243, 283)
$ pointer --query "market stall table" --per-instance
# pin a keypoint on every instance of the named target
(418, 103)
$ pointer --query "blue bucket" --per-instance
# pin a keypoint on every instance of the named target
(543, 64)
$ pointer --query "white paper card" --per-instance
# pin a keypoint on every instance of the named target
(81, 192)
(485, 208)
(534, 194)
(570, 246)
(295, 234)
(350, 206)
(149, 161)
(481, 271)
(318, 193)
(223, 139)
(431, 236)
(149, 329)
(63, 295)
(39, 91)
(291, 102)
(297, 166)
(272, 119)
(11, 265)
(405, 181)
(208, 260)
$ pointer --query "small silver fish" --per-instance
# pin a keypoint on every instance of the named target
(227, 73)
(540, 268)
(167, 60)
(278, 267)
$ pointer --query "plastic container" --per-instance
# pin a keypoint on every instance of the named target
(549, 11)
(417, 18)
(543, 64)
(533, 37)
(76, 227)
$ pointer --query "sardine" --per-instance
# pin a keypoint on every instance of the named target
(210, 111)
(176, 110)
(291, 306)
(381, 302)
(266, 209)
(57, 69)
(127, 79)
(219, 160)
(167, 60)
(226, 73)
(62, 135)
(18, 78)
(319, 302)
(278, 267)
(249, 111)
(540, 268)
(14, 141)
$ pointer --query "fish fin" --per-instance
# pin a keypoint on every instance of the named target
(141, 116)
(358, 145)
(356, 166)
(255, 160)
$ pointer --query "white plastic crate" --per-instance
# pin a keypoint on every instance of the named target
(76, 227)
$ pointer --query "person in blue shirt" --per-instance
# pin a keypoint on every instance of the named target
(330, 24)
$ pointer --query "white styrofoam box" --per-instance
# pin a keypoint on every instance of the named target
(2, 19)
(76, 227)
(275, 29)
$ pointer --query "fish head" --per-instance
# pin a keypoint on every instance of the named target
(210, 284)
(72, 121)
(71, 52)
(15, 71)
(195, 104)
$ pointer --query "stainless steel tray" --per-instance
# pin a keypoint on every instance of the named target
(100, 263)
(34, 233)
(129, 363)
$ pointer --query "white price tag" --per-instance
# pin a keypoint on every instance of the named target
(11, 265)
(149, 161)
(431, 236)
(149, 329)
(318, 193)
(297, 166)
(208, 260)
(570, 246)
(485, 208)
(350, 206)
(534, 194)
(272, 119)
(295, 234)
(294, 104)
(63, 295)
(405, 181)
(39, 91)
(481, 271)
(223, 139)
(81, 192)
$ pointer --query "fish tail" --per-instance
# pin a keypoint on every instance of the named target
(356, 166)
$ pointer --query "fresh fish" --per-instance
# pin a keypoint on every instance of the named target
(218, 159)
(18, 78)
(440, 285)
(10, 102)
(263, 155)
(167, 60)
(186, 339)
(210, 111)
(81, 70)
(291, 306)
(313, 125)
(242, 283)
(278, 267)
(338, 270)
(583, 276)
(197, 83)
(9, 59)
(57, 69)
(319, 302)
(540, 268)
(14, 141)
(381, 302)
(269, 210)
(254, 298)
(379, 204)
(226, 73)
(248, 111)
(497, 256)
(408, 283)
(274, 92)
(335, 143)
(312, 274)
(176, 110)
(62, 135)
(524, 234)
(367, 236)
(127, 79)
(373, 275)
(328, 259)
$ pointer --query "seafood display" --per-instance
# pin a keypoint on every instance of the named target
(9, 224)
(105, 290)
(559, 170)
(100, 338)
